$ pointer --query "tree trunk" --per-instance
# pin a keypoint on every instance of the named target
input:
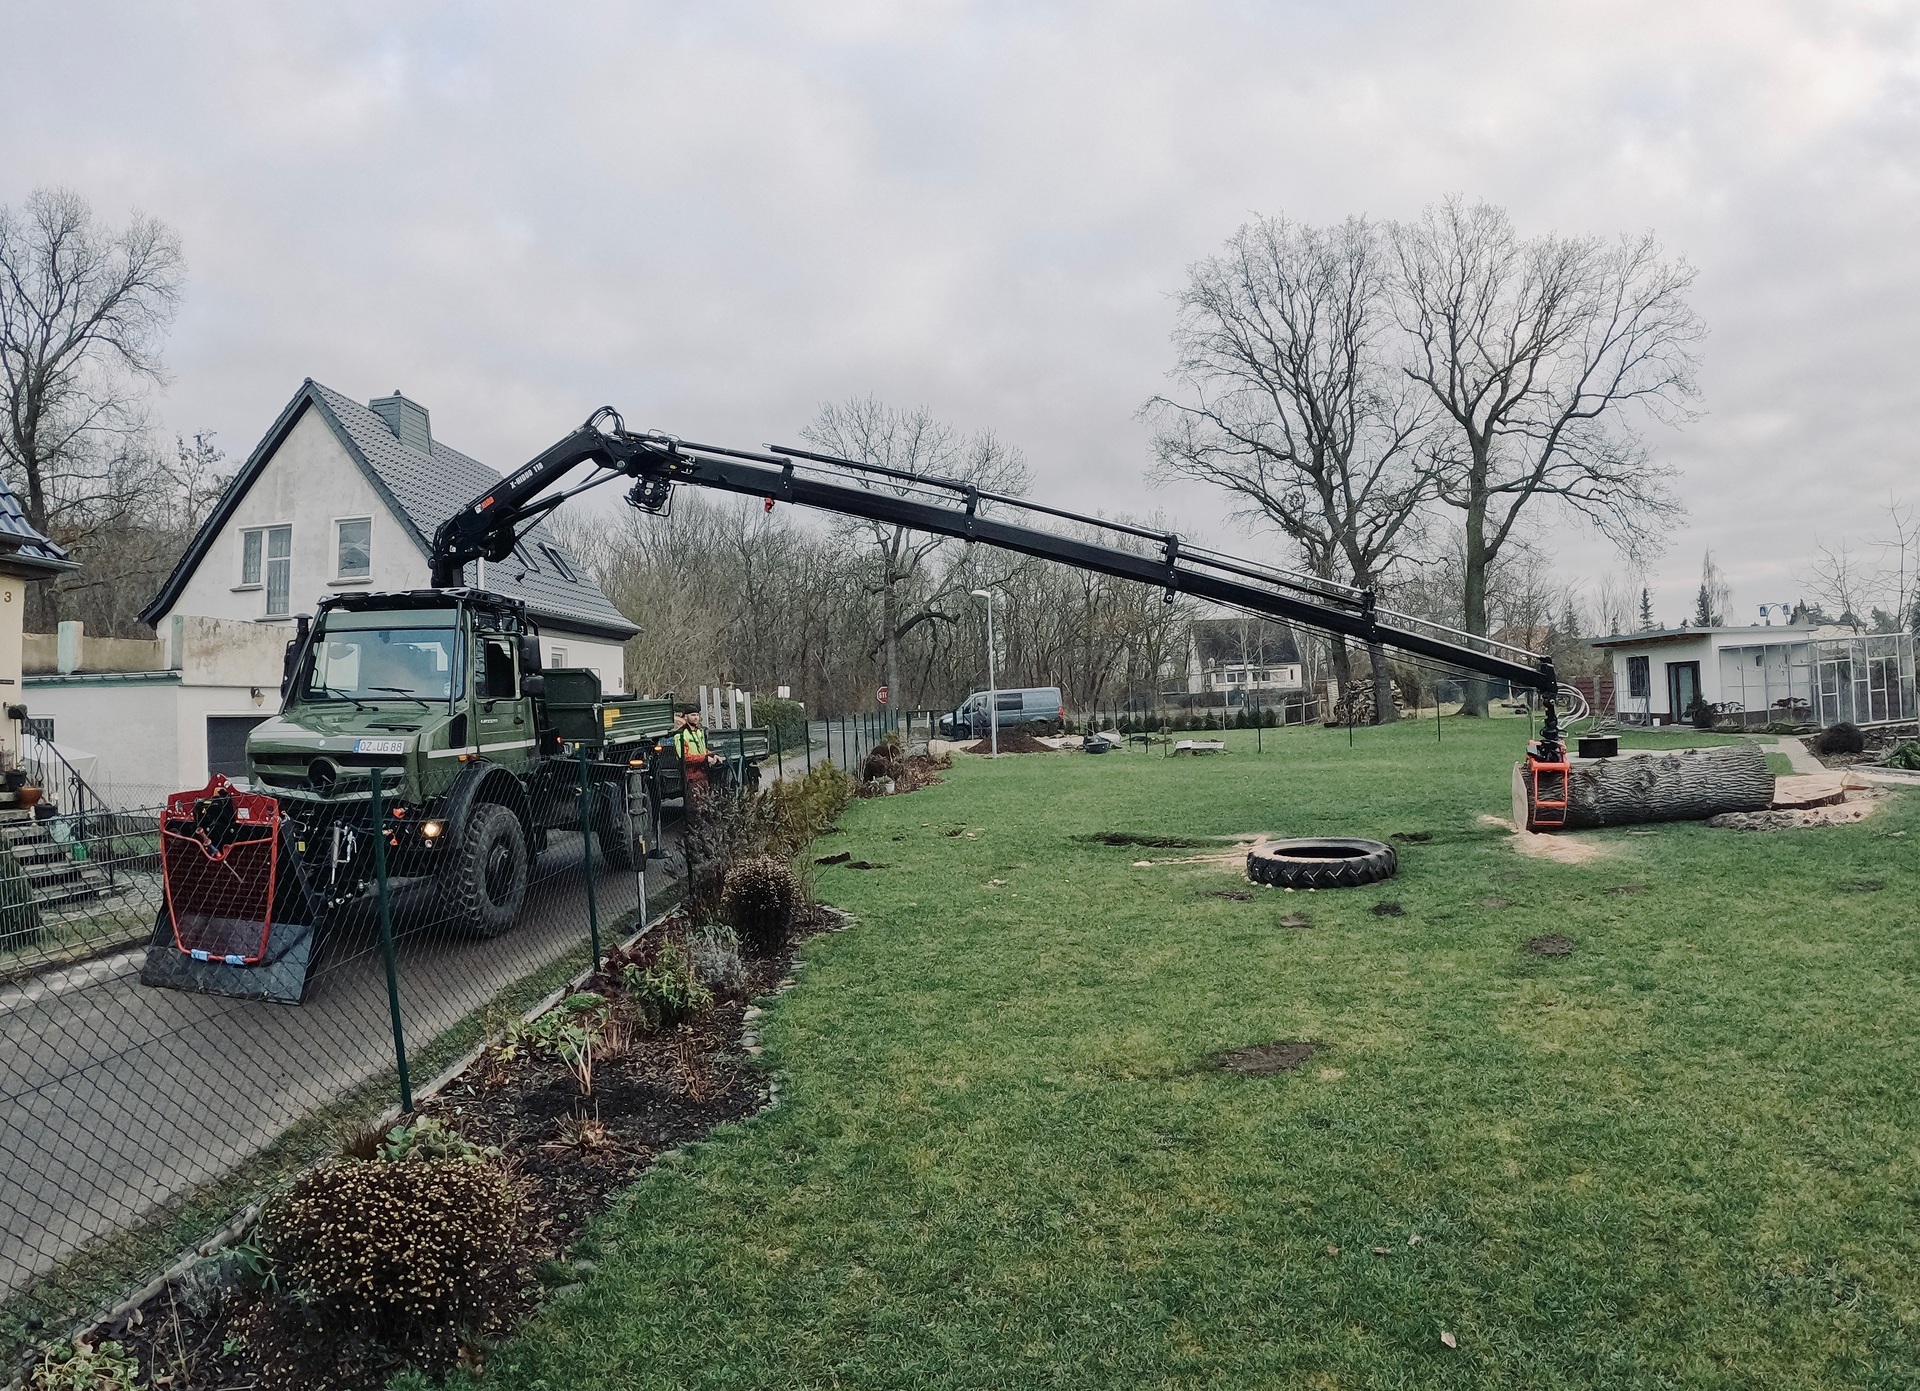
(1688, 785)
(1383, 706)
(1474, 583)
(1342, 667)
(890, 620)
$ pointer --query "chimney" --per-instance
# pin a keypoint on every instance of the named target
(407, 419)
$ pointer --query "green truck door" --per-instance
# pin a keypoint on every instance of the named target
(504, 733)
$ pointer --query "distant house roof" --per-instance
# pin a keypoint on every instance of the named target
(1779, 632)
(1238, 642)
(22, 548)
(423, 488)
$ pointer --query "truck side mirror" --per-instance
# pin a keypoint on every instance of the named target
(530, 653)
(303, 625)
(533, 684)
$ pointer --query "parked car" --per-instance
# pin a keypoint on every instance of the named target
(1034, 709)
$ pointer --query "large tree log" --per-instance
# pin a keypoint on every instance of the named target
(1687, 785)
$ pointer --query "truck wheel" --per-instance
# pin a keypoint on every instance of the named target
(620, 837)
(487, 880)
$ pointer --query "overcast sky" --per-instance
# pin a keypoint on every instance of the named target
(718, 216)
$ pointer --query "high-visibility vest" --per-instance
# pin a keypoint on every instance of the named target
(690, 742)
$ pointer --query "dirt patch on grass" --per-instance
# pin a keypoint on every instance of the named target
(1388, 910)
(1628, 889)
(1296, 921)
(1264, 1059)
(1495, 901)
(1152, 842)
(1412, 837)
(1553, 944)
(1018, 742)
(1237, 895)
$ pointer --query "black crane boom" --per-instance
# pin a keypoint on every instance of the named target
(490, 526)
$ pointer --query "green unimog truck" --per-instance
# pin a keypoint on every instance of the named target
(481, 752)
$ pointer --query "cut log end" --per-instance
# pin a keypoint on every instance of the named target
(1685, 785)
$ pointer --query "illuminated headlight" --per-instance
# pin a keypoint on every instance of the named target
(431, 830)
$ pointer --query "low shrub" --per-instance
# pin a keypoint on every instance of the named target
(804, 807)
(384, 1265)
(426, 1138)
(665, 990)
(762, 899)
(1842, 738)
(715, 950)
(1905, 756)
(66, 1367)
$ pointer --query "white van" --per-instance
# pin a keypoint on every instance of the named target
(1035, 709)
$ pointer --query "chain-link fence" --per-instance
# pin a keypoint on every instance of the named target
(145, 1098)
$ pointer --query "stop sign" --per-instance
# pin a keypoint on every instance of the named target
(881, 695)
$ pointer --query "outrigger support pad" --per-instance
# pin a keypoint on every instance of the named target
(238, 919)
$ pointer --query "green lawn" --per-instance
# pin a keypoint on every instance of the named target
(1687, 1155)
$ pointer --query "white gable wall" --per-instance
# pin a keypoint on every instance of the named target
(309, 481)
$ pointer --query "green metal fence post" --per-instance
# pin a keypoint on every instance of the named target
(386, 937)
(586, 854)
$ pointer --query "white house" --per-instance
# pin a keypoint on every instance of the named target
(337, 497)
(1239, 658)
(1793, 674)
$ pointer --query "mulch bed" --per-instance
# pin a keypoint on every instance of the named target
(570, 1154)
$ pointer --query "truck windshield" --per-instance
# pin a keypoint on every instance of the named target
(367, 664)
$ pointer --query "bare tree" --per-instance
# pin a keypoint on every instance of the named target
(82, 311)
(896, 557)
(1292, 405)
(1545, 356)
(1838, 578)
(1715, 597)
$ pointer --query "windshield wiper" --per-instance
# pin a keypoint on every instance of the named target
(339, 695)
(403, 692)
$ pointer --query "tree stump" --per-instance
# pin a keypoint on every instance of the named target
(1686, 785)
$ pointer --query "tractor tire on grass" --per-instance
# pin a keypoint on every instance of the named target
(1328, 862)
(486, 881)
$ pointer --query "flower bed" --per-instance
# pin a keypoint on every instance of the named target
(558, 1114)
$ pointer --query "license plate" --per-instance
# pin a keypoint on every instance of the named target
(379, 745)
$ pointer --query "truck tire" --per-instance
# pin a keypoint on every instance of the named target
(1322, 862)
(486, 882)
(621, 837)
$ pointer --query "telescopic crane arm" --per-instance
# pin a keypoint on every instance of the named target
(493, 523)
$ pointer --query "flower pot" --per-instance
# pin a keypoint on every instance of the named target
(28, 797)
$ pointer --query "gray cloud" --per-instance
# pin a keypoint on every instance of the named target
(719, 216)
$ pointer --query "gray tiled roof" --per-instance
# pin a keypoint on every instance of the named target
(424, 490)
(430, 489)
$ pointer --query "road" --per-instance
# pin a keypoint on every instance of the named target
(119, 1099)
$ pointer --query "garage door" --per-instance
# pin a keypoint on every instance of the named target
(227, 743)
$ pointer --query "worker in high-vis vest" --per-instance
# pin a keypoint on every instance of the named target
(690, 743)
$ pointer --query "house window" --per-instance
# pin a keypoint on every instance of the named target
(353, 548)
(526, 559)
(559, 658)
(266, 557)
(559, 562)
(1638, 681)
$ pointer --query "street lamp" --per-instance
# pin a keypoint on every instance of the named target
(993, 695)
